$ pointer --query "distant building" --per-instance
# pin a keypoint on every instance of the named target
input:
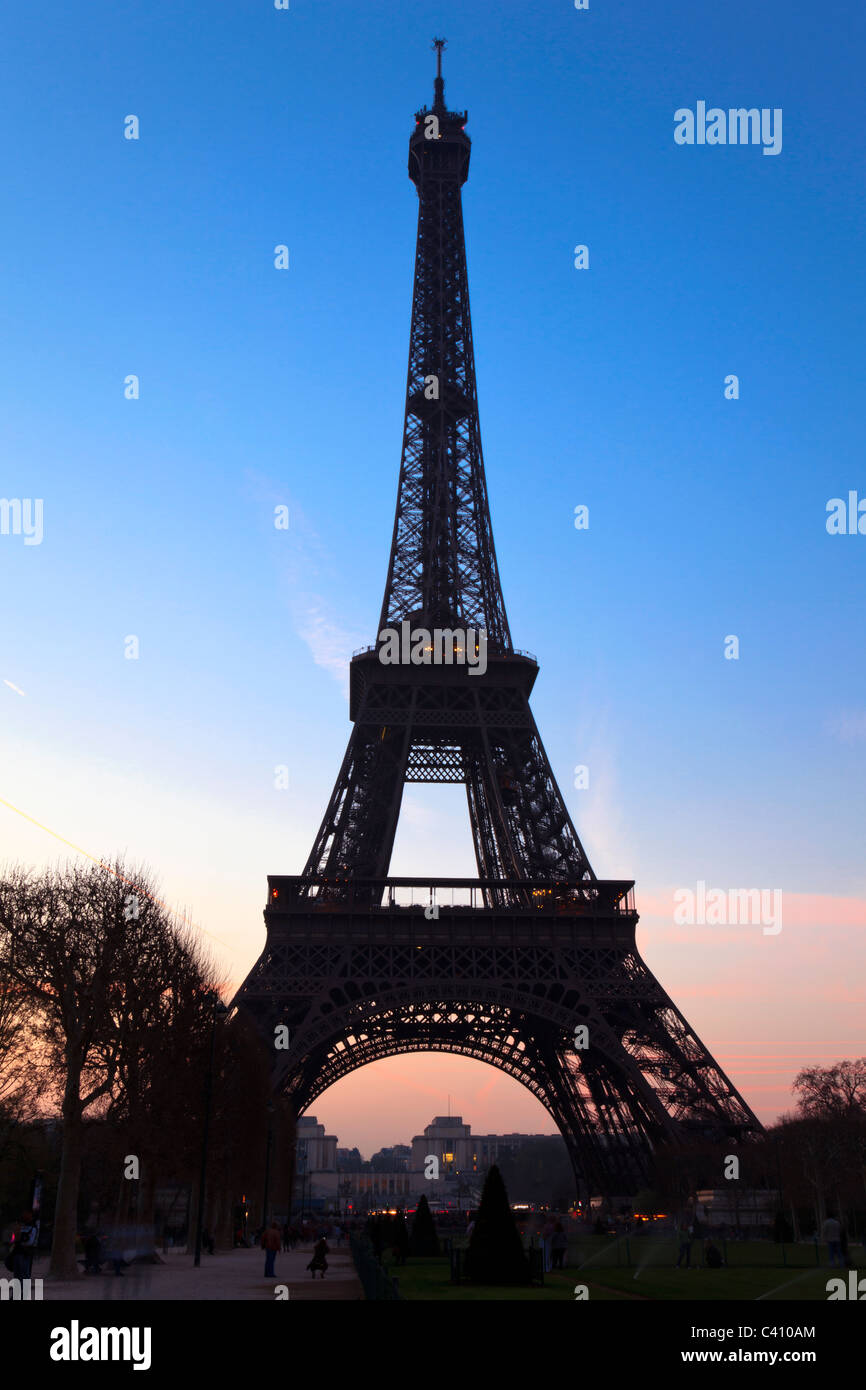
(397, 1176)
(743, 1207)
(393, 1160)
(362, 1192)
(315, 1166)
(450, 1142)
(458, 1150)
(462, 1159)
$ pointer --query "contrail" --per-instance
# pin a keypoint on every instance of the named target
(108, 869)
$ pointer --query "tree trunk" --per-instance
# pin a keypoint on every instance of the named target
(146, 1203)
(226, 1231)
(63, 1262)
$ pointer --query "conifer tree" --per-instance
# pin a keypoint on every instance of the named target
(424, 1240)
(496, 1254)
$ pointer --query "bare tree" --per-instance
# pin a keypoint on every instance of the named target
(824, 1140)
(835, 1092)
(20, 1070)
(81, 944)
(163, 1014)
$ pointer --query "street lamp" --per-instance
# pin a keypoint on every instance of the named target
(301, 1167)
(345, 1194)
(218, 1009)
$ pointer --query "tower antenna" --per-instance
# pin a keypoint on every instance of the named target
(439, 84)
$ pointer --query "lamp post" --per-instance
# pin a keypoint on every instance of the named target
(218, 1008)
(345, 1194)
(301, 1167)
(270, 1140)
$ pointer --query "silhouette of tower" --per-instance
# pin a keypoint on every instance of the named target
(509, 966)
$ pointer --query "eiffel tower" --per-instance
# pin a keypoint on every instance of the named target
(532, 966)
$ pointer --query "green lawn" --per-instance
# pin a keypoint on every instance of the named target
(429, 1279)
(611, 1252)
(755, 1270)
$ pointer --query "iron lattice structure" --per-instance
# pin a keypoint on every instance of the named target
(505, 967)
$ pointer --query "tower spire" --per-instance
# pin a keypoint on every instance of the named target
(439, 84)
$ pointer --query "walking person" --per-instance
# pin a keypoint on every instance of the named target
(685, 1231)
(320, 1250)
(92, 1253)
(25, 1246)
(547, 1231)
(115, 1251)
(843, 1246)
(271, 1242)
(558, 1245)
(832, 1233)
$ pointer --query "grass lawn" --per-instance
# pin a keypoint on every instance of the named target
(429, 1279)
(708, 1285)
(755, 1271)
(660, 1251)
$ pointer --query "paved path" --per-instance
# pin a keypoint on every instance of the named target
(228, 1275)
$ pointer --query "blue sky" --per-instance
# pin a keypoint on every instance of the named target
(602, 387)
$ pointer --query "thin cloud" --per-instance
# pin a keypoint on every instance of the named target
(308, 564)
(330, 645)
(849, 726)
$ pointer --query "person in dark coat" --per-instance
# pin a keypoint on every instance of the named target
(712, 1254)
(558, 1245)
(320, 1250)
(92, 1253)
(271, 1242)
(26, 1239)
